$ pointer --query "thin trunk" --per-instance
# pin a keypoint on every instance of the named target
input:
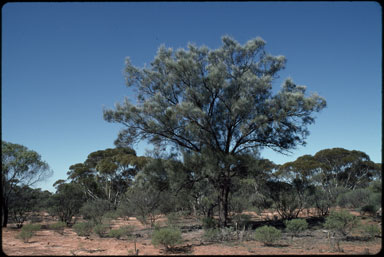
(5, 214)
(223, 205)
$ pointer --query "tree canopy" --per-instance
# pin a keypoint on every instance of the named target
(218, 104)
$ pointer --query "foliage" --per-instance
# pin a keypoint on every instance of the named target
(25, 235)
(95, 210)
(241, 220)
(217, 104)
(67, 201)
(20, 167)
(341, 222)
(58, 227)
(209, 223)
(124, 231)
(369, 208)
(371, 230)
(101, 229)
(83, 228)
(267, 234)
(296, 226)
(167, 237)
(354, 198)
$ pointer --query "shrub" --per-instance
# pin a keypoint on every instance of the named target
(212, 235)
(172, 219)
(58, 227)
(95, 210)
(101, 229)
(28, 231)
(168, 237)
(25, 235)
(83, 229)
(209, 223)
(267, 235)
(371, 231)
(296, 226)
(242, 220)
(342, 222)
(124, 231)
(31, 227)
(371, 209)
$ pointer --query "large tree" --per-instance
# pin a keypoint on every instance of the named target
(217, 102)
(20, 167)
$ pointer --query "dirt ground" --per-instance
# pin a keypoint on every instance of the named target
(48, 242)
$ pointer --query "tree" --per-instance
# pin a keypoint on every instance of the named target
(217, 103)
(19, 167)
(67, 201)
(106, 174)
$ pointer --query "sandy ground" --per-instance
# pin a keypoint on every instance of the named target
(48, 242)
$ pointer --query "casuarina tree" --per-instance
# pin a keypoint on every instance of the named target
(217, 103)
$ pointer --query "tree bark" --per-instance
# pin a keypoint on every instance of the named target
(5, 215)
(223, 205)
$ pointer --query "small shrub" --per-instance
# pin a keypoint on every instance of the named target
(371, 231)
(242, 220)
(25, 235)
(342, 222)
(124, 231)
(369, 208)
(58, 227)
(172, 219)
(28, 231)
(209, 223)
(212, 235)
(296, 226)
(267, 235)
(101, 229)
(168, 237)
(83, 229)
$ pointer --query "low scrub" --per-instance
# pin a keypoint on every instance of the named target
(125, 231)
(58, 227)
(371, 231)
(167, 237)
(83, 228)
(341, 222)
(27, 231)
(267, 235)
(296, 226)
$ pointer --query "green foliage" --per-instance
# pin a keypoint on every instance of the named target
(296, 226)
(209, 223)
(124, 231)
(83, 228)
(95, 210)
(369, 208)
(173, 219)
(58, 227)
(212, 234)
(341, 222)
(267, 234)
(67, 201)
(371, 231)
(101, 229)
(167, 237)
(242, 220)
(20, 167)
(354, 199)
(27, 231)
(25, 235)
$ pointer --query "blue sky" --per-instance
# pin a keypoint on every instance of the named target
(62, 63)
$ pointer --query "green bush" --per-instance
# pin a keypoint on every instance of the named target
(27, 231)
(342, 222)
(83, 229)
(172, 219)
(168, 237)
(58, 227)
(242, 220)
(124, 231)
(95, 210)
(212, 235)
(101, 229)
(371, 231)
(267, 235)
(296, 226)
(369, 208)
(209, 223)
(25, 235)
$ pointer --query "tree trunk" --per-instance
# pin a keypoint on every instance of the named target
(223, 205)
(5, 215)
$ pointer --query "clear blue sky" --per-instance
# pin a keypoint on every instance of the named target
(63, 62)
